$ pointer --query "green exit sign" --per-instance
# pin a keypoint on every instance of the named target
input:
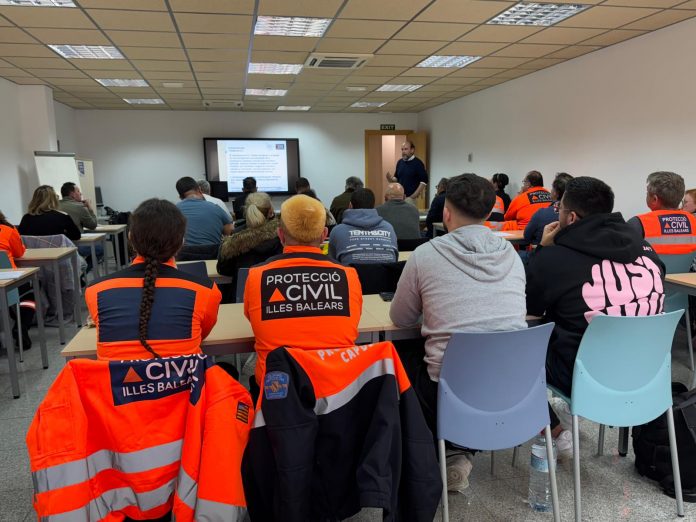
(387, 126)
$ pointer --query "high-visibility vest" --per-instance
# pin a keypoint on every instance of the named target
(140, 439)
(669, 231)
(498, 215)
(523, 207)
(11, 243)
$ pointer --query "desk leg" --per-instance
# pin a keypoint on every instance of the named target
(59, 301)
(9, 343)
(95, 265)
(117, 250)
(39, 320)
(78, 289)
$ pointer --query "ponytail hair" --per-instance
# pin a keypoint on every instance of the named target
(157, 230)
(258, 209)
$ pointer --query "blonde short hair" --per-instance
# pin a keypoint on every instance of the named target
(257, 208)
(44, 200)
(303, 218)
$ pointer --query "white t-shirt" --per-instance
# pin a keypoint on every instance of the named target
(217, 201)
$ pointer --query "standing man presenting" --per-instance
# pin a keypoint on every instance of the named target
(410, 172)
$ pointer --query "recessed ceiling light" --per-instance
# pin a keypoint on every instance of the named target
(291, 26)
(393, 87)
(98, 52)
(368, 105)
(173, 85)
(116, 82)
(527, 13)
(356, 88)
(40, 3)
(266, 92)
(294, 107)
(448, 61)
(144, 101)
(275, 68)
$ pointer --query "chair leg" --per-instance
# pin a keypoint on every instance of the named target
(576, 468)
(19, 334)
(492, 462)
(515, 451)
(689, 341)
(675, 462)
(600, 441)
(443, 476)
(623, 441)
(552, 473)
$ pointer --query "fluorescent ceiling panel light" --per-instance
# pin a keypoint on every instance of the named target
(528, 13)
(95, 52)
(294, 107)
(368, 105)
(291, 26)
(393, 87)
(144, 101)
(275, 68)
(266, 92)
(356, 88)
(116, 82)
(448, 61)
(173, 85)
(39, 3)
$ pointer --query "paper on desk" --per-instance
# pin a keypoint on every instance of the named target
(91, 234)
(11, 274)
(501, 234)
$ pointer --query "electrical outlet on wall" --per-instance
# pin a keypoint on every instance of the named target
(471, 157)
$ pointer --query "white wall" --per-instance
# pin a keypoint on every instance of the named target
(65, 127)
(10, 152)
(140, 154)
(616, 114)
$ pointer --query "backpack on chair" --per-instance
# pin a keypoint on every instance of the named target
(651, 445)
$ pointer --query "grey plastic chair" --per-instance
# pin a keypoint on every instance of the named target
(675, 300)
(242, 275)
(492, 395)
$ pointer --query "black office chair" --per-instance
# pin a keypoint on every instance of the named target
(379, 277)
(408, 245)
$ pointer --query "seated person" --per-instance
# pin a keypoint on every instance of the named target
(403, 216)
(592, 262)
(544, 216)
(455, 283)
(668, 229)
(44, 218)
(436, 207)
(151, 308)
(256, 243)
(496, 220)
(363, 236)
(330, 219)
(10, 241)
(248, 187)
(81, 212)
(501, 180)
(340, 203)
(531, 198)
(302, 298)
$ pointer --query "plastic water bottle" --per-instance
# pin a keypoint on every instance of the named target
(539, 485)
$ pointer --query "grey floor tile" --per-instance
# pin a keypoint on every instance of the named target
(15, 504)
(12, 433)
(15, 467)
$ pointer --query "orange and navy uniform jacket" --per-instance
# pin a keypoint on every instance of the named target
(338, 430)
(139, 439)
(497, 218)
(669, 231)
(184, 311)
(11, 243)
(523, 207)
(302, 299)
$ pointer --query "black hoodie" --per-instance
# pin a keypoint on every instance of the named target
(598, 265)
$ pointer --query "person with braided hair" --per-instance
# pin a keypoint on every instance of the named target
(151, 308)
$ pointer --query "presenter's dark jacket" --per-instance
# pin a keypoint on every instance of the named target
(410, 173)
(51, 223)
(184, 311)
(302, 299)
(338, 430)
(597, 266)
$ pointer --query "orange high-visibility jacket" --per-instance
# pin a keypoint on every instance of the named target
(183, 313)
(11, 243)
(523, 207)
(497, 217)
(302, 299)
(338, 430)
(669, 231)
(140, 439)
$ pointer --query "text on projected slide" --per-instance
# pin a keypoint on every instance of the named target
(264, 160)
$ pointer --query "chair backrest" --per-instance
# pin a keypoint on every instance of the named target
(12, 295)
(408, 245)
(242, 275)
(197, 252)
(492, 391)
(676, 264)
(623, 369)
(196, 268)
(379, 277)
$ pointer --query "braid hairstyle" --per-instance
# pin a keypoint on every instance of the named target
(156, 233)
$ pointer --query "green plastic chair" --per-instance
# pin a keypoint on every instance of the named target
(642, 391)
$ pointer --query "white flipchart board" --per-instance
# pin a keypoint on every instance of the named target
(56, 168)
(85, 171)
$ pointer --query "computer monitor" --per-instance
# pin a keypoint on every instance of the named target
(98, 195)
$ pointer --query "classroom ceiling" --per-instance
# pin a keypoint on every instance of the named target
(204, 47)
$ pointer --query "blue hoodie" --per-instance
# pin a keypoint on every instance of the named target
(363, 237)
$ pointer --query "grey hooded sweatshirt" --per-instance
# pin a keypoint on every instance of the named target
(363, 237)
(469, 280)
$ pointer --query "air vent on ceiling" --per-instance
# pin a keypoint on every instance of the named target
(336, 61)
(223, 104)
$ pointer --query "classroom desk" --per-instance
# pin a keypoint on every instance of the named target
(37, 257)
(232, 333)
(6, 285)
(682, 282)
(91, 239)
(211, 267)
(113, 231)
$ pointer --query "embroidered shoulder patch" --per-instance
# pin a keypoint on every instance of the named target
(275, 385)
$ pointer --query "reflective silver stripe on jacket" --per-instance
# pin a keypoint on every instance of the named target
(206, 510)
(333, 402)
(78, 471)
(685, 239)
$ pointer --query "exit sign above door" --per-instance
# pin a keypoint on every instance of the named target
(387, 126)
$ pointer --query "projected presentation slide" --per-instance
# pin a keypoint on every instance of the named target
(265, 160)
